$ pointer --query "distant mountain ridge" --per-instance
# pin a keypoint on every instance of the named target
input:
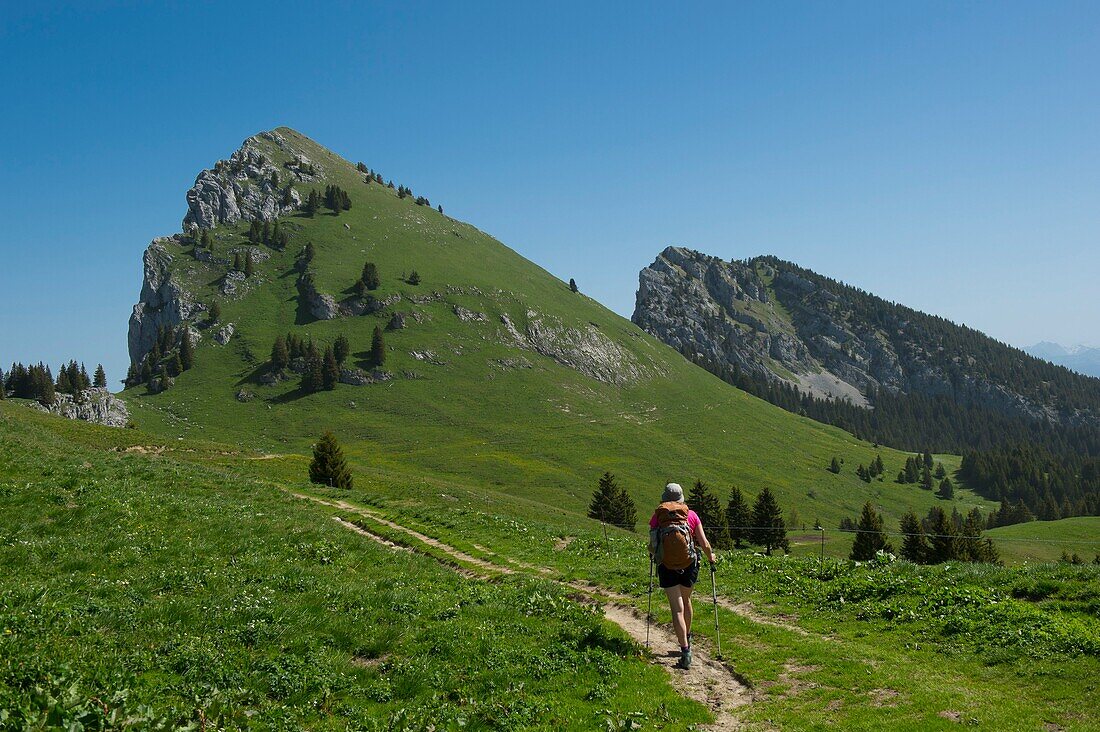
(1082, 359)
(776, 320)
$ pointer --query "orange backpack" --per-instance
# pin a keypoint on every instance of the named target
(671, 543)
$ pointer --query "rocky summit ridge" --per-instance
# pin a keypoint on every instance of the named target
(777, 321)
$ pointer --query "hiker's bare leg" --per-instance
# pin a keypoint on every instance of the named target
(685, 594)
(676, 605)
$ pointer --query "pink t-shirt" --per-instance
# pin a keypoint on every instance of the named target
(693, 521)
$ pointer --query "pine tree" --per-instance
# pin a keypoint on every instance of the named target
(341, 349)
(834, 466)
(737, 518)
(940, 473)
(914, 546)
(370, 276)
(572, 285)
(870, 538)
(265, 233)
(63, 385)
(706, 504)
(441, 208)
(330, 371)
(946, 490)
(877, 467)
(863, 474)
(214, 313)
(236, 261)
(255, 233)
(249, 267)
(205, 239)
(175, 365)
(377, 348)
(313, 203)
(187, 350)
(280, 356)
(329, 467)
(45, 390)
(926, 478)
(928, 459)
(414, 278)
(147, 370)
(100, 378)
(767, 519)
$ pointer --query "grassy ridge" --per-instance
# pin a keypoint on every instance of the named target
(1046, 540)
(483, 411)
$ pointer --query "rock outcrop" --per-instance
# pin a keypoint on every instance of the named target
(96, 405)
(249, 186)
(585, 350)
(163, 301)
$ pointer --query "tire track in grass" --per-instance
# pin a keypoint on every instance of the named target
(709, 681)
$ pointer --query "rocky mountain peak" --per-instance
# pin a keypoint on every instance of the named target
(254, 183)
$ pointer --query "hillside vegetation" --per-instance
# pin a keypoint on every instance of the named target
(501, 376)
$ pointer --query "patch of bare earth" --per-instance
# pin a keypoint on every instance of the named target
(884, 697)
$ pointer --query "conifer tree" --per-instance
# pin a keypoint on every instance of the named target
(45, 391)
(255, 233)
(237, 261)
(147, 371)
(572, 285)
(611, 504)
(370, 276)
(214, 313)
(249, 267)
(330, 370)
(870, 538)
(914, 546)
(100, 378)
(928, 459)
(175, 365)
(313, 203)
(313, 380)
(63, 385)
(341, 348)
(940, 473)
(377, 348)
(767, 519)
(926, 478)
(205, 239)
(834, 466)
(308, 253)
(187, 350)
(329, 467)
(265, 233)
(946, 490)
(738, 518)
(280, 356)
(414, 278)
(85, 382)
(877, 467)
(706, 504)
(941, 536)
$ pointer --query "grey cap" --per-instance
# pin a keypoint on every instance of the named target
(673, 492)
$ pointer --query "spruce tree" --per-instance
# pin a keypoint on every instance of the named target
(926, 478)
(85, 382)
(100, 378)
(147, 371)
(63, 385)
(877, 467)
(611, 504)
(834, 466)
(175, 365)
(870, 538)
(940, 473)
(313, 203)
(414, 278)
(572, 285)
(946, 490)
(377, 348)
(914, 546)
(767, 519)
(313, 380)
(214, 313)
(341, 349)
(236, 261)
(942, 536)
(330, 371)
(706, 504)
(249, 266)
(329, 467)
(280, 356)
(187, 350)
(738, 518)
(370, 276)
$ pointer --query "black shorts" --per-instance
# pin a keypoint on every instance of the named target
(672, 577)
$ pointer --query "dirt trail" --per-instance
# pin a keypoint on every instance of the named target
(709, 681)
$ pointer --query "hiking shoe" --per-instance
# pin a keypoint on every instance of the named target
(685, 660)
(689, 640)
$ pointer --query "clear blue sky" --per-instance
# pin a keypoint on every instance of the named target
(943, 155)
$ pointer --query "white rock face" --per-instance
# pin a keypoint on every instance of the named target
(241, 187)
(162, 302)
(96, 405)
(586, 350)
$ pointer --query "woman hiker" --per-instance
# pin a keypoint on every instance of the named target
(675, 532)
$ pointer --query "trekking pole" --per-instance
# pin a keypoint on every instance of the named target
(650, 611)
(714, 596)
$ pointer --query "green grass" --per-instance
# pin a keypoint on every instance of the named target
(1046, 540)
(199, 531)
(543, 433)
(144, 592)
